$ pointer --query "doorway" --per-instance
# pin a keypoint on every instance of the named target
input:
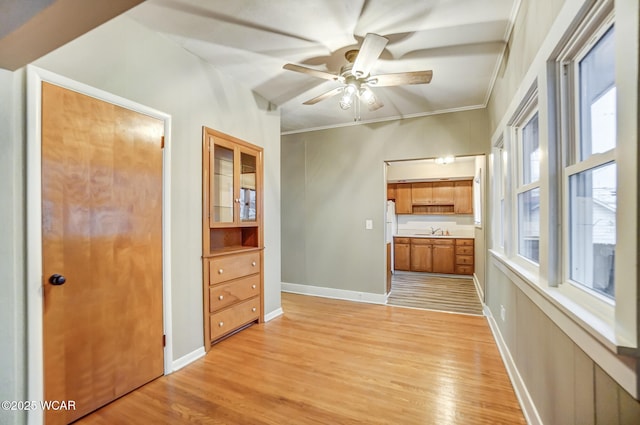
(91, 245)
(436, 240)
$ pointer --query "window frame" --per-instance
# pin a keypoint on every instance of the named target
(500, 169)
(583, 40)
(528, 109)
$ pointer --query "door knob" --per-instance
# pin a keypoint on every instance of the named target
(57, 279)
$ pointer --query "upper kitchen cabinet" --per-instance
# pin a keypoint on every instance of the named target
(403, 198)
(443, 193)
(463, 197)
(434, 197)
(232, 193)
(391, 192)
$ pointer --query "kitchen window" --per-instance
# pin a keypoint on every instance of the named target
(590, 170)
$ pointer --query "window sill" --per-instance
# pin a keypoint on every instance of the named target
(559, 307)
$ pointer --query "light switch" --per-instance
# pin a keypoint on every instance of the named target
(368, 224)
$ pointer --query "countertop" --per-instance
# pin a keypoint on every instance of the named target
(429, 236)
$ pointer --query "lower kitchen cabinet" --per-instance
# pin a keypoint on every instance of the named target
(401, 254)
(443, 257)
(434, 255)
(421, 256)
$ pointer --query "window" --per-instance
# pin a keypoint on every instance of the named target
(590, 168)
(528, 191)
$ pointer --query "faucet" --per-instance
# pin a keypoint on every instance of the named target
(434, 231)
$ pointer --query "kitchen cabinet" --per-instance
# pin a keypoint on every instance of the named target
(443, 256)
(463, 197)
(401, 254)
(442, 193)
(422, 193)
(434, 255)
(421, 255)
(464, 256)
(391, 191)
(232, 234)
(403, 198)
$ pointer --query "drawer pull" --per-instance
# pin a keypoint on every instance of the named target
(253, 286)
(253, 264)
(221, 297)
(221, 324)
(220, 271)
(253, 309)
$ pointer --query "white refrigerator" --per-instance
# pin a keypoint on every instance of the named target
(391, 226)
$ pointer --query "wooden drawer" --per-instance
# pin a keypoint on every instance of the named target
(461, 242)
(401, 240)
(447, 242)
(464, 259)
(232, 318)
(464, 250)
(464, 269)
(222, 269)
(434, 241)
(224, 295)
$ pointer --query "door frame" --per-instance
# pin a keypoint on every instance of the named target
(35, 352)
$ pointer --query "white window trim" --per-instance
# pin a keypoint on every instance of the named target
(595, 25)
(498, 177)
(528, 108)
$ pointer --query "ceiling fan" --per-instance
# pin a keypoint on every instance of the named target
(356, 79)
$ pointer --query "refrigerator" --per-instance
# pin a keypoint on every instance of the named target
(391, 226)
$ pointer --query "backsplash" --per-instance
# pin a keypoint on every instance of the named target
(456, 225)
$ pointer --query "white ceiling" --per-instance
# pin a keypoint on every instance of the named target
(462, 41)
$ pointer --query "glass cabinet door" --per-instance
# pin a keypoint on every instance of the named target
(222, 190)
(248, 186)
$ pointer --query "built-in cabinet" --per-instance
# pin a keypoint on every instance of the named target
(232, 234)
(438, 197)
(464, 256)
(434, 255)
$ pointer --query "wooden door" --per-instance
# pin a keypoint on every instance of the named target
(443, 259)
(463, 197)
(403, 198)
(401, 256)
(102, 231)
(391, 192)
(422, 193)
(421, 258)
(443, 193)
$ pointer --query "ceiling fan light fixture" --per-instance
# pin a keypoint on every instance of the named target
(367, 96)
(346, 101)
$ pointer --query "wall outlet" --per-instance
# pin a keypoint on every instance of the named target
(368, 224)
(503, 312)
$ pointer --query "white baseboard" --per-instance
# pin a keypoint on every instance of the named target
(187, 358)
(341, 294)
(526, 403)
(479, 290)
(275, 313)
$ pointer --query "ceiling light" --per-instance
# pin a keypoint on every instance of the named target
(445, 160)
(367, 96)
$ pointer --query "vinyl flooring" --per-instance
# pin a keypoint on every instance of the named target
(429, 292)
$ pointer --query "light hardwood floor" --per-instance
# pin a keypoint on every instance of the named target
(335, 362)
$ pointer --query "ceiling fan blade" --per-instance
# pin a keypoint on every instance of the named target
(371, 48)
(310, 71)
(324, 96)
(400, 79)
